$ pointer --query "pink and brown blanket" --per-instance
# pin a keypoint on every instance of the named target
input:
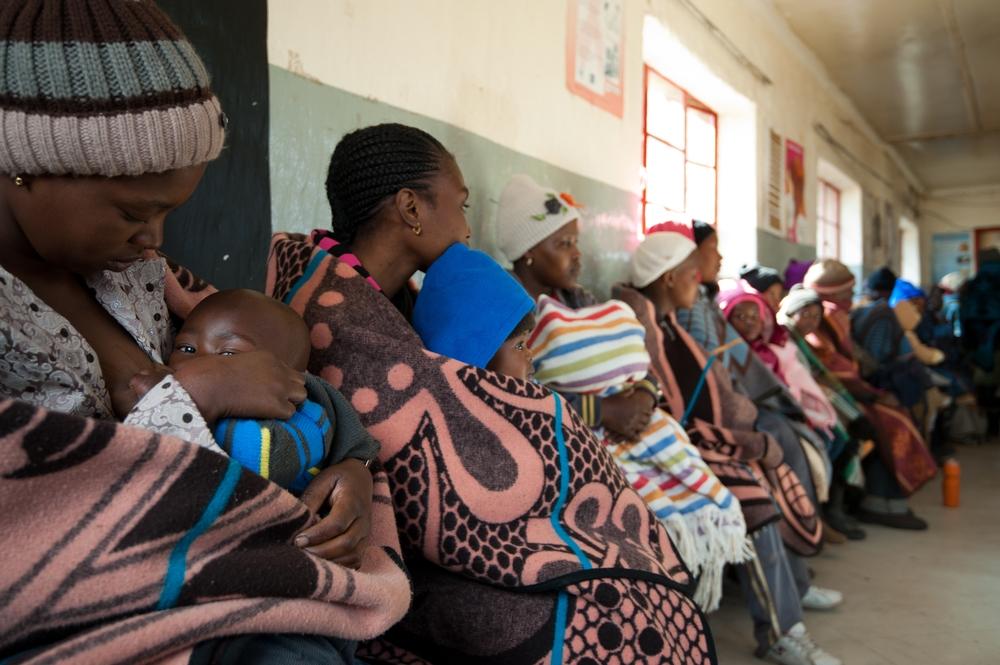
(524, 541)
(123, 546)
(748, 462)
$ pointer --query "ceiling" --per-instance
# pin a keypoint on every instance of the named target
(925, 74)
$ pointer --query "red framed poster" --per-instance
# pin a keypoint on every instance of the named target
(595, 52)
(795, 189)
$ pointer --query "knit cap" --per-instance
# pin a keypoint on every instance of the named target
(953, 281)
(761, 278)
(881, 281)
(529, 213)
(109, 87)
(795, 272)
(903, 291)
(828, 276)
(798, 299)
(468, 306)
(665, 247)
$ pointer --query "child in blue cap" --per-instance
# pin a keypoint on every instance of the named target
(471, 310)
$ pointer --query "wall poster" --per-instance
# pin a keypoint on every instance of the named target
(794, 194)
(951, 252)
(595, 52)
(774, 219)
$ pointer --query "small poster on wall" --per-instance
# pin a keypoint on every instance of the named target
(595, 52)
(951, 252)
(774, 184)
(794, 194)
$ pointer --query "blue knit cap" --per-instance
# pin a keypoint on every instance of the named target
(468, 306)
(904, 290)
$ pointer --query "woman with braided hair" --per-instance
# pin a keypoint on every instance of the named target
(524, 541)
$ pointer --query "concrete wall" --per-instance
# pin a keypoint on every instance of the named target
(488, 79)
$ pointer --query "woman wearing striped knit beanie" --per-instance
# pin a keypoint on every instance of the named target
(107, 122)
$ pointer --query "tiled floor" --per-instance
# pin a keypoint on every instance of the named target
(910, 598)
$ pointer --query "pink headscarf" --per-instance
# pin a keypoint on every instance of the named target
(782, 358)
(773, 334)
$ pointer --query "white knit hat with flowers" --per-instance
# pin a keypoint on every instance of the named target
(530, 213)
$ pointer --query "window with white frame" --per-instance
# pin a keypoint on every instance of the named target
(680, 151)
(828, 221)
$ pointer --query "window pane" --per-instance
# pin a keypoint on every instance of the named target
(664, 174)
(701, 137)
(832, 205)
(656, 214)
(827, 245)
(701, 192)
(665, 111)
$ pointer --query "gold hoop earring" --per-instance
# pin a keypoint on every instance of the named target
(417, 230)
(529, 261)
(18, 181)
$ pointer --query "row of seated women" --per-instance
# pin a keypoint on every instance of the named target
(344, 470)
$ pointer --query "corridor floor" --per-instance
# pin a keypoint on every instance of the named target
(910, 598)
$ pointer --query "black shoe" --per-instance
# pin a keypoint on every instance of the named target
(845, 525)
(906, 520)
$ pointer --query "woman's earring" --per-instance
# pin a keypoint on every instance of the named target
(18, 181)
(417, 230)
(529, 261)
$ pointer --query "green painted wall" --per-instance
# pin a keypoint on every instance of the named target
(775, 252)
(309, 118)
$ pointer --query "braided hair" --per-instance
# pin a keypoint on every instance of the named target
(371, 164)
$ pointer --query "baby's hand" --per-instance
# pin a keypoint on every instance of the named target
(145, 380)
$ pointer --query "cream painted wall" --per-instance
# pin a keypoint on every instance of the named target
(494, 68)
(956, 210)
(497, 69)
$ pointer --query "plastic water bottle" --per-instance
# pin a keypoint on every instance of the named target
(951, 483)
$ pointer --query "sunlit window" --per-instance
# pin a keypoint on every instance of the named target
(828, 222)
(679, 154)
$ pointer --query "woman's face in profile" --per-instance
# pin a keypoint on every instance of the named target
(90, 224)
(555, 261)
(449, 198)
(684, 281)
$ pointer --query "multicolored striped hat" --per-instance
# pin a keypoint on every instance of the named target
(101, 87)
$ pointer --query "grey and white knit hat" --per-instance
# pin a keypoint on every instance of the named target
(530, 213)
(101, 87)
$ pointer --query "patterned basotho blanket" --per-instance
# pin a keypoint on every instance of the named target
(122, 546)
(527, 544)
(746, 461)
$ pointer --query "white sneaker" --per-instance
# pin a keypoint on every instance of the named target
(797, 648)
(818, 598)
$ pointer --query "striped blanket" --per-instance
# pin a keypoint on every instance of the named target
(597, 349)
(123, 546)
(602, 349)
(323, 431)
(722, 427)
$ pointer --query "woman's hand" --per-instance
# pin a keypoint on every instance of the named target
(342, 535)
(627, 414)
(247, 385)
